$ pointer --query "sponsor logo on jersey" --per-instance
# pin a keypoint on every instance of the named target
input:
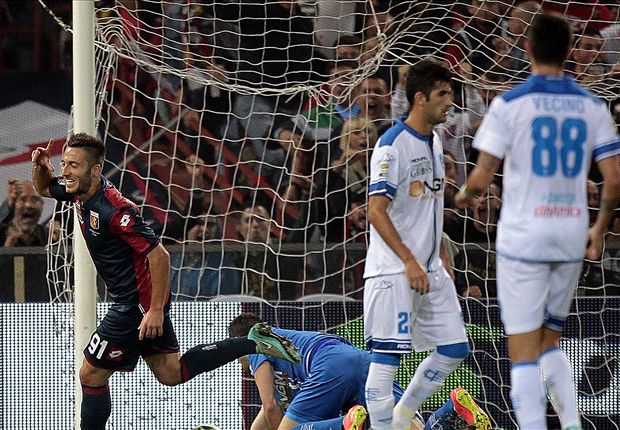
(420, 167)
(416, 188)
(548, 211)
(94, 220)
(425, 189)
(284, 386)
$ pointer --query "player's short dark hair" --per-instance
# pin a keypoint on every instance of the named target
(550, 37)
(94, 147)
(424, 77)
(242, 324)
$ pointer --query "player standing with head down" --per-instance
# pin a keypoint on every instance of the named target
(547, 130)
(406, 284)
(135, 268)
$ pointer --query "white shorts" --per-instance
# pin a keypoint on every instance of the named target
(397, 318)
(531, 295)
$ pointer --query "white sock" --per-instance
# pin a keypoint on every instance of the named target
(428, 378)
(403, 417)
(558, 378)
(379, 395)
(528, 396)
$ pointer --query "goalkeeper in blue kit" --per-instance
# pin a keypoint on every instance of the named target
(329, 381)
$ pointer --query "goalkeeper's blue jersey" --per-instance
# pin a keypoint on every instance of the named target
(289, 377)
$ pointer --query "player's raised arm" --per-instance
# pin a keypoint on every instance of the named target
(379, 218)
(42, 169)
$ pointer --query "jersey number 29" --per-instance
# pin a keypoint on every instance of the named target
(572, 133)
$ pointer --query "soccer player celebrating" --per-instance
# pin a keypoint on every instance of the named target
(547, 129)
(406, 284)
(135, 268)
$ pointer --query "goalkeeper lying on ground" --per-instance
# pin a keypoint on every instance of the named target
(330, 379)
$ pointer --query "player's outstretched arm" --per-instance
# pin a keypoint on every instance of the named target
(379, 218)
(264, 382)
(42, 169)
(610, 196)
(478, 180)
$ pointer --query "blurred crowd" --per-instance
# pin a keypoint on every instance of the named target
(260, 142)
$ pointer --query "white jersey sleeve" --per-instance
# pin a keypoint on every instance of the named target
(384, 171)
(491, 135)
(606, 142)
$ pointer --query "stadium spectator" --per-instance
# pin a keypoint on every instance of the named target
(348, 47)
(265, 273)
(24, 229)
(450, 211)
(582, 14)
(543, 231)
(348, 173)
(376, 23)
(587, 63)
(405, 211)
(485, 213)
(135, 268)
(198, 275)
(515, 59)
(319, 120)
(474, 41)
(373, 98)
(7, 209)
(175, 227)
(476, 267)
(331, 380)
(388, 70)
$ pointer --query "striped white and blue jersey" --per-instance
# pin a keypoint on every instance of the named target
(547, 130)
(407, 168)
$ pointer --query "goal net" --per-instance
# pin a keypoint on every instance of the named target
(243, 128)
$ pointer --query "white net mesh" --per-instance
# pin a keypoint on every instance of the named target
(243, 130)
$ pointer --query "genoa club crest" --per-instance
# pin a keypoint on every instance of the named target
(94, 220)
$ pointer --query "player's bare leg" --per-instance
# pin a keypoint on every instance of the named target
(96, 402)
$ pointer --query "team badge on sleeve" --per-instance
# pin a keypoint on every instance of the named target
(94, 220)
(384, 164)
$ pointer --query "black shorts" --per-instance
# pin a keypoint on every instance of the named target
(115, 344)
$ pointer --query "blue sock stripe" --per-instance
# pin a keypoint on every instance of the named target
(456, 350)
(524, 363)
(382, 358)
(546, 351)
